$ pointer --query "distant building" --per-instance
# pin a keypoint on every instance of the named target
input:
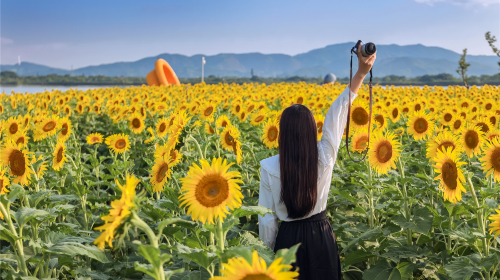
(329, 79)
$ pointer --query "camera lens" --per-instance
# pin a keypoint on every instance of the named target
(370, 48)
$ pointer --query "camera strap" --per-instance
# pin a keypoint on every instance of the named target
(349, 116)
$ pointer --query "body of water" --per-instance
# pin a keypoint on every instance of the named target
(34, 89)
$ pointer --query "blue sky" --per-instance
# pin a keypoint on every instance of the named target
(62, 33)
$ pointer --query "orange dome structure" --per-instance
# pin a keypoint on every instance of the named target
(163, 74)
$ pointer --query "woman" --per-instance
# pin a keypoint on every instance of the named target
(295, 184)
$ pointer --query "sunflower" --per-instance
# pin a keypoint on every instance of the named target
(20, 138)
(4, 182)
(484, 124)
(209, 190)
(120, 210)
(491, 158)
(16, 158)
(208, 128)
(46, 128)
(492, 134)
(228, 136)
(395, 113)
(175, 157)
(118, 143)
(271, 134)
(495, 223)
(242, 117)
(237, 151)
(223, 121)
(359, 116)
(160, 173)
(442, 141)
(42, 168)
(384, 152)
(448, 165)
(472, 138)
(65, 128)
(94, 138)
(162, 127)
(152, 138)
(320, 120)
(258, 117)
(457, 124)
(447, 117)
(59, 155)
(381, 122)
(136, 123)
(12, 126)
(238, 268)
(207, 110)
(25, 121)
(420, 125)
(360, 141)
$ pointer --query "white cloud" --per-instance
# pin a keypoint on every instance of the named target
(460, 2)
(6, 41)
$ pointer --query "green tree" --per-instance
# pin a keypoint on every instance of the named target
(491, 40)
(462, 67)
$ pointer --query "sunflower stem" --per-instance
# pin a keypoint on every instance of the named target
(138, 222)
(407, 206)
(191, 138)
(479, 216)
(18, 244)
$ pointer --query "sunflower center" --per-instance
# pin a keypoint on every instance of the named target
(94, 139)
(49, 126)
(488, 106)
(136, 123)
(300, 100)
(450, 174)
(224, 123)
(272, 134)
(492, 136)
(65, 129)
(448, 117)
(173, 155)
(17, 163)
(395, 113)
(163, 126)
(259, 118)
(120, 144)
(250, 109)
(495, 159)
(59, 156)
(361, 143)
(229, 139)
(162, 172)
(13, 128)
(1, 185)
(384, 151)
(493, 120)
(212, 190)
(457, 124)
(320, 127)
(421, 125)
(406, 110)
(238, 108)
(442, 147)
(257, 277)
(360, 116)
(380, 119)
(418, 107)
(484, 127)
(208, 111)
(20, 140)
(463, 114)
(471, 139)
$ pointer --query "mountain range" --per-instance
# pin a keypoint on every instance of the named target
(409, 61)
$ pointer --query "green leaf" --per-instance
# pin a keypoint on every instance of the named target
(16, 191)
(73, 249)
(395, 254)
(197, 275)
(177, 221)
(382, 271)
(7, 235)
(357, 257)
(153, 255)
(461, 268)
(288, 255)
(169, 273)
(247, 239)
(251, 210)
(199, 256)
(421, 223)
(146, 268)
(406, 270)
(25, 215)
(245, 252)
(369, 235)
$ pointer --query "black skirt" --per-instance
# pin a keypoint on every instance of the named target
(317, 256)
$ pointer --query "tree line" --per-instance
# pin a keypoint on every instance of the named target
(9, 78)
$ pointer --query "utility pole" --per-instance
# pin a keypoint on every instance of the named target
(203, 68)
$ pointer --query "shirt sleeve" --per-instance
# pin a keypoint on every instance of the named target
(335, 122)
(268, 225)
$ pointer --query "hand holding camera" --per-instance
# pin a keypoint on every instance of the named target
(367, 53)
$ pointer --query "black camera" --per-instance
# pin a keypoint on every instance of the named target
(366, 50)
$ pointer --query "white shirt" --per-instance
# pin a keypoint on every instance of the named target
(270, 184)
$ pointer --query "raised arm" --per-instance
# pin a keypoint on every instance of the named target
(336, 118)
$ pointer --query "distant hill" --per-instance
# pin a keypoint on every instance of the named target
(410, 61)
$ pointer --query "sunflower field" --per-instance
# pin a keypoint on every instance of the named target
(163, 182)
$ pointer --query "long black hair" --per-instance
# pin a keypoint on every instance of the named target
(298, 160)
